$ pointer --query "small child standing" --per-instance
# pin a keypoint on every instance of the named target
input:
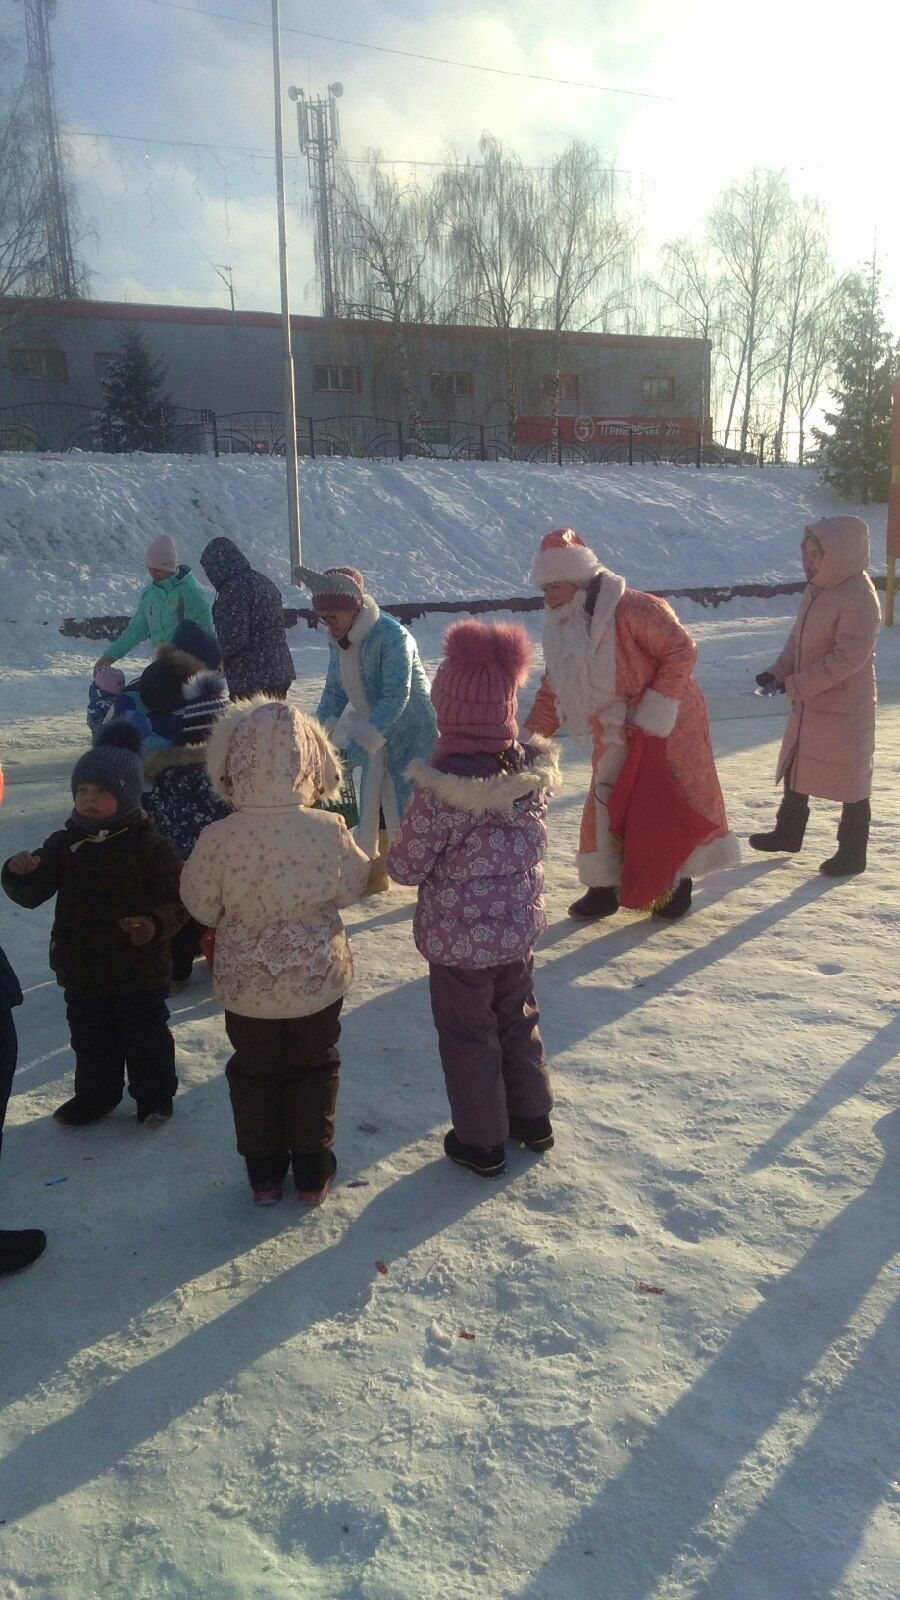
(117, 906)
(473, 837)
(270, 879)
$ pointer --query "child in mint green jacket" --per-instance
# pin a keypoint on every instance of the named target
(173, 595)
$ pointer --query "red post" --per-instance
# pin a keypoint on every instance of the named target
(893, 516)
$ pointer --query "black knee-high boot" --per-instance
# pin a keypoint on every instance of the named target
(853, 836)
(790, 825)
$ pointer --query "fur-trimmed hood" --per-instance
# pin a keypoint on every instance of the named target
(499, 792)
(174, 755)
(264, 754)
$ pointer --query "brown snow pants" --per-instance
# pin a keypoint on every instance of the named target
(283, 1079)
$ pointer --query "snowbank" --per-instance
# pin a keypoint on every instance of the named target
(73, 529)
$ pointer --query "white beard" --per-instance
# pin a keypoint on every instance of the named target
(567, 654)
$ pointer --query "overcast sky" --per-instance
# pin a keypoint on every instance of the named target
(779, 83)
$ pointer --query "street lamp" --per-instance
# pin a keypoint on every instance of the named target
(290, 413)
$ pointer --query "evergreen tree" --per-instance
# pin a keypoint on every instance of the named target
(857, 449)
(137, 415)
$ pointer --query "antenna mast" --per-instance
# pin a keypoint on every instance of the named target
(319, 133)
(60, 258)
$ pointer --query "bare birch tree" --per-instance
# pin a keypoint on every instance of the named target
(583, 249)
(386, 244)
(809, 283)
(689, 295)
(813, 358)
(746, 228)
(489, 243)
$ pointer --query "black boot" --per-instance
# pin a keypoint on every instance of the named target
(488, 1163)
(680, 903)
(19, 1247)
(595, 904)
(78, 1113)
(853, 836)
(536, 1133)
(790, 825)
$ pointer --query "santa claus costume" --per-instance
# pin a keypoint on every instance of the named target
(617, 659)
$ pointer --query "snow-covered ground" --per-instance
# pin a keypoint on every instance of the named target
(201, 1401)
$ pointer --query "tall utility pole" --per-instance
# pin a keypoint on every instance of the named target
(60, 258)
(319, 132)
(290, 407)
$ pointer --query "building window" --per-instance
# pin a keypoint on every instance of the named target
(338, 380)
(451, 385)
(568, 385)
(658, 388)
(103, 360)
(48, 364)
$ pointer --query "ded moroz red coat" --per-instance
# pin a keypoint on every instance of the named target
(640, 671)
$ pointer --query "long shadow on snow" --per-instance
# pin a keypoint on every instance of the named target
(335, 1280)
(144, 1220)
(611, 1003)
(649, 1513)
(855, 1444)
(848, 1081)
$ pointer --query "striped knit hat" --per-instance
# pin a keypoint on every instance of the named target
(205, 697)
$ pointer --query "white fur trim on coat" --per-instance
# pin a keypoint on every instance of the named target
(571, 563)
(351, 726)
(226, 725)
(713, 857)
(656, 713)
(497, 793)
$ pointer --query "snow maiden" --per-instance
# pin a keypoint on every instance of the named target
(375, 703)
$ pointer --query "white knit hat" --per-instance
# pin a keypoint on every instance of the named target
(161, 554)
(564, 558)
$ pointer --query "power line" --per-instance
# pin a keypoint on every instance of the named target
(413, 55)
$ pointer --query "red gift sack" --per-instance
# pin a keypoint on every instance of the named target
(208, 944)
(658, 826)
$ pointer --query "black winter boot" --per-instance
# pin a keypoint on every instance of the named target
(488, 1163)
(536, 1133)
(853, 836)
(680, 903)
(153, 1113)
(19, 1247)
(78, 1113)
(595, 904)
(790, 825)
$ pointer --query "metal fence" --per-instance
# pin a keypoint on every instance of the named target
(59, 427)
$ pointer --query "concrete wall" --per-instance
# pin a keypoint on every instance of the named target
(233, 364)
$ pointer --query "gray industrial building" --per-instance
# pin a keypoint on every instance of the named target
(54, 354)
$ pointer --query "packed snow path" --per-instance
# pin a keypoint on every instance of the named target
(207, 1402)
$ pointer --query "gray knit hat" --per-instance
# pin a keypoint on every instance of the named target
(113, 763)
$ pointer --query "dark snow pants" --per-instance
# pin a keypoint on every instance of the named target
(283, 1079)
(9, 1048)
(491, 1048)
(116, 1034)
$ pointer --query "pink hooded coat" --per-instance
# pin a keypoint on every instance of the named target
(828, 670)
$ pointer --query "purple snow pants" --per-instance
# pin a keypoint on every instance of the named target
(491, 1048)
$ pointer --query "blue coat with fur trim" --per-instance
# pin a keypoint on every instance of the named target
(377, 707)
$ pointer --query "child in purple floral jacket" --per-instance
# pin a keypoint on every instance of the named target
(473, 837)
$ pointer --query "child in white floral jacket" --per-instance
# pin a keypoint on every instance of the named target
(270, 879)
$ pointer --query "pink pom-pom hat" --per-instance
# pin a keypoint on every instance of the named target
(475, 687)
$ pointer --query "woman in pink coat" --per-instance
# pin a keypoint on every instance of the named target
(827, 670)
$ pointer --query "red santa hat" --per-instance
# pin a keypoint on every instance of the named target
(564, 558)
